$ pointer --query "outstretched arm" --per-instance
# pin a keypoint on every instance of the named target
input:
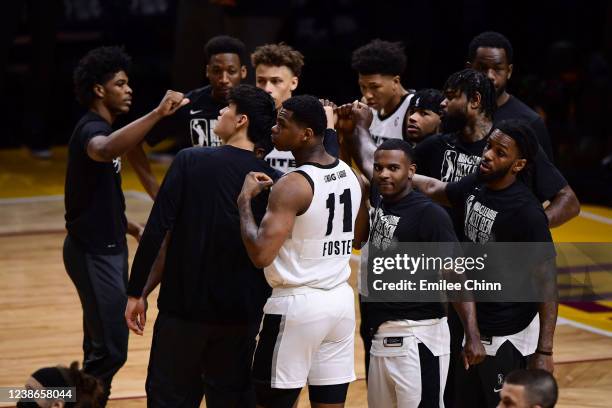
(107, 148)
(431, 187)
(290, 197)
(355, 119)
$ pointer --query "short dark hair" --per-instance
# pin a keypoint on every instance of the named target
(470, 82)
(308, 112)
(224, 44)
(490, 39)
(97, 67)
(398, 144)
(540, 386)
(258, 106)
(523, 135)
(278, 55)
(379, 57)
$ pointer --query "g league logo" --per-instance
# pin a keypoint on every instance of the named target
(202, 134)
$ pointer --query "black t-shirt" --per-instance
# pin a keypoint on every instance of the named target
(95, 207)
(447, 158)
(509, 215)
(208, 275)
(514, 108)
(192, 124)
(415, 218)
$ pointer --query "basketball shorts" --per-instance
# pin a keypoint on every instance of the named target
(307, 336)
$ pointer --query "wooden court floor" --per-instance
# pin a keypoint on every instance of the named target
(40, 315)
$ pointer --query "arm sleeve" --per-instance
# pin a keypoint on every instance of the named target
(92, 129)
(330, 142)
(162, 218)
(458, 191)
(547, 179)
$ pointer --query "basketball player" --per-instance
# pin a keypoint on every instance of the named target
(304, 244)
(423, 118)
(467, 120)
(95, 249)
(529, 389)
(194, 125)
(513, 331)
(380, 65)
(277, 71)
(211, 296)
(492, 54)
(411, 345)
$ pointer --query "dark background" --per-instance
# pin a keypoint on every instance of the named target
(562, 63)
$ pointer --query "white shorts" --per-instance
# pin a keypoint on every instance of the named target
(409, 365)
(307, 338)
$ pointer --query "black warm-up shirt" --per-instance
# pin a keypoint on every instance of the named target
(414, 218)
(94, 202)
(208, 275)
(514, 108)
(191, 124)
(509, 215)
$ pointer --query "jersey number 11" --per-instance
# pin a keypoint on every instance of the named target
(347, 222)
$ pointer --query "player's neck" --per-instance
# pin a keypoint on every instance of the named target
(503, 98)
(101, 109)
(313, 154)
(476, 130)
(240, 140)
(502, 183)
(399, 196)
(393, 102)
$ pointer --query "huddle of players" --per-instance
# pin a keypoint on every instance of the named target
(215, 224)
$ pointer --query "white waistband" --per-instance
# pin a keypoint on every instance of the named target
(300, 290)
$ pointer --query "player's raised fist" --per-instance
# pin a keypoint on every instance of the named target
(345, 123)
(362, 114)
(171, 102)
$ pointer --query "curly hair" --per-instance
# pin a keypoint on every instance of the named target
(470, 82)
(490, 39)
(97, 67)
(278, 55)
(379, 57)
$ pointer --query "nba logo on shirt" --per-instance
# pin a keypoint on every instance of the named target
(202, 134)
(117, 164)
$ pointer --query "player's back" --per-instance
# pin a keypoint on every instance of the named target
(317, 253)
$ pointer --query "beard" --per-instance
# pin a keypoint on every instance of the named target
(454, 122)
(493, 176)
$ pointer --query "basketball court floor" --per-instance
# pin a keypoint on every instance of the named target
(40, 314)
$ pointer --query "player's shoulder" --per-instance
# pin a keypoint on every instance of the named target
(517, 109)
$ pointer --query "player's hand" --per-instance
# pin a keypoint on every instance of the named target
(255, 183)
(542, 362)
(362, 114)
(136, 314)
(171, 102)
(345, 123)
(329, 107)
(473, 352)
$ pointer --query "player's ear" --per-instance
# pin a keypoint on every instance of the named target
(294, 83)
(476, 101)
(243, 72)
(99, 91)
(243, 121)
(411, 170)
(468, 64)
(308, 134)
(510, 69)
(260, 152)
(206, 70)
(519, 165)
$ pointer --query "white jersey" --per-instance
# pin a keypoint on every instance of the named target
(391, 126)
(281, 161)
(317, 253)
